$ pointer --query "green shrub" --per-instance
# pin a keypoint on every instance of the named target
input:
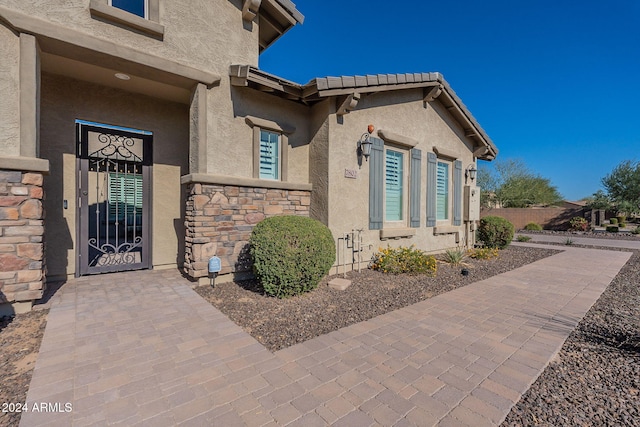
(404, 260)
(454, 256)
(291, 254)
(523, 238)
(636, 230)
(568, 241)
(613, 221)
(612, 228)
(621, 219)
(622, 224)
(495, 232)
(577, 223)
(482, 253)
(532, 226)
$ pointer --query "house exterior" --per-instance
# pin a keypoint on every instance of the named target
(142, 134)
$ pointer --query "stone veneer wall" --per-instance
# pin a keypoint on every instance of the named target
(220, 218)
(21, 236)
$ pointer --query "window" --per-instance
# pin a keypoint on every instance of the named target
(394, 189)
(137, 7)
(270, 148)
(269, 155)
(394, 186)
(442, 192)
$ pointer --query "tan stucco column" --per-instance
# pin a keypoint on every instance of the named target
(198, 130)
(29, 96)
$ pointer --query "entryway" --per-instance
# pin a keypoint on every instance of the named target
(114, 179)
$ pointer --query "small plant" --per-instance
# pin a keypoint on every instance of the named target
(622, 224)
(523, 238)
(291, 254)
(483, 253)
(454, 257)
(612, 228)
(568, 241)
(532, 226)
(636, 230)
(621, 219)
(495, 232)
(577, 223)
(613, 221)
(404, 260)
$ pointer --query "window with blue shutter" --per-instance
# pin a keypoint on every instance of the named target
(137, 7)
(394, 165)
(269, 155)
(442, 191)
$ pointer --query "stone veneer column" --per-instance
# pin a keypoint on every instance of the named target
(220, 218)
(21, 238)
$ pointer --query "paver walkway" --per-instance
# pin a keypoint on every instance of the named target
(143, 348)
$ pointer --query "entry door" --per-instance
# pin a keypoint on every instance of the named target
(113, 199)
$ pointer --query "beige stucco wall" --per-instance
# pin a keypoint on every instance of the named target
(205, 34)
(403, 113)
(230, 145)
(9, 92)
(63, 101)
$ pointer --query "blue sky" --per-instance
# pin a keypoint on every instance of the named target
(554, 83)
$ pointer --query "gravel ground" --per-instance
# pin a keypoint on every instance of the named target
(20, 338)
(595, 378)
(280, 323)
(590, 234)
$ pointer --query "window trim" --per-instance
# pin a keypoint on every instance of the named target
(284, 131)
(278, 155)
(149, 25)
(449, 211)
(403, 221)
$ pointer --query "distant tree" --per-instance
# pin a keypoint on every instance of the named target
(513, 185)
(599, 200)
(623, 186)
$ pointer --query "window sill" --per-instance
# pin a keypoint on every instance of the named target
(397, 233)
(118, 16)
(446, 229)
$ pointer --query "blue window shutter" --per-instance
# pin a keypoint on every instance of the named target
(394, 185)
(414, 191)
(269, 155)
(376, 183)
(457, 193)
(432, 178)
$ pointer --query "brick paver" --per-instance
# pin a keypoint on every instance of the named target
(142, 348)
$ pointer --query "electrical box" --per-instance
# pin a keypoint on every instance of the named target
(471, 203)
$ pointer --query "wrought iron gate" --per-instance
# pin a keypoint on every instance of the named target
(113, 199)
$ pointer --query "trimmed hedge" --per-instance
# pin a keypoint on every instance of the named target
(495, 232)
(532, 226)
(291, 254)
(612, 228)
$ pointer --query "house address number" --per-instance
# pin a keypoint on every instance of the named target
(351, 173)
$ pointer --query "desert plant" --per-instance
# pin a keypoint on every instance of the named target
(404, 260)
(291, 254)
(578, 223)
(621, 219)
(612, 228)
(532, 226)
(454, 256)
(636, 230)
(495, 232)
(523, 238)
(613, 221)
(568, 241)
(482, 253)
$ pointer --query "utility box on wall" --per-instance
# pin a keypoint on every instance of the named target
(471, 203)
